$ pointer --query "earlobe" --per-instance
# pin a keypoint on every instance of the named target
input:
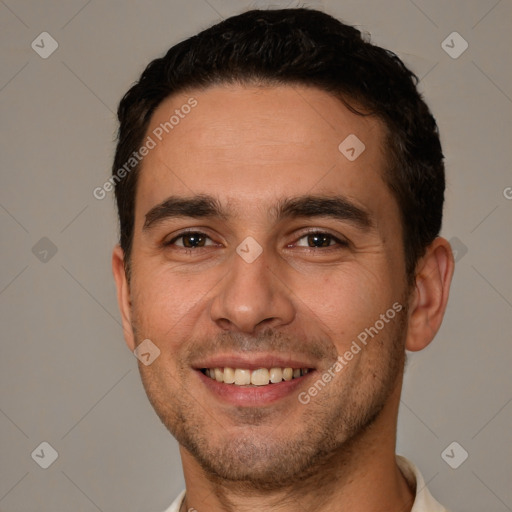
(430, 297)
(123, 295)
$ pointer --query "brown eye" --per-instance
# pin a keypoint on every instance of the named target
(190, 240)
(319, 240)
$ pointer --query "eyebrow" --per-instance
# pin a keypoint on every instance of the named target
(306, 206)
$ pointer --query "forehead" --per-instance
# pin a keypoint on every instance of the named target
(246, 144)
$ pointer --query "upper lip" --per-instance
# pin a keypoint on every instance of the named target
(253, 361)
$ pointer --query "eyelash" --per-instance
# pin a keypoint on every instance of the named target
(340, 243)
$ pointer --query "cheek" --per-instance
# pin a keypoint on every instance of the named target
(345, 303)
(164, 303)
(340, 301)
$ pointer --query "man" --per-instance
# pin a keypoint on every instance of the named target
(280, 186)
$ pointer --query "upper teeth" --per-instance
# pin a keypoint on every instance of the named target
(259, 377)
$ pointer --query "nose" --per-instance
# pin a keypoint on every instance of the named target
(252, 297)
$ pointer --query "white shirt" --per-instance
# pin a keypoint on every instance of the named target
(423, 502)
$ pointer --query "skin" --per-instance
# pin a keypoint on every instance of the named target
(250, 147)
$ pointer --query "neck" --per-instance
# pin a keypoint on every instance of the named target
(361, 475)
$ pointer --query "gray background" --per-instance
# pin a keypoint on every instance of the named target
(66, 375)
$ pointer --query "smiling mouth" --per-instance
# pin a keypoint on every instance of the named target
(253, 378)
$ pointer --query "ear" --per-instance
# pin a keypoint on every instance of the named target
(123, 295)
(428, 304)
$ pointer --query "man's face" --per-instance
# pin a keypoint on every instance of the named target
(304, 255)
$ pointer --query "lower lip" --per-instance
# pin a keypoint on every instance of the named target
(251, 396)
